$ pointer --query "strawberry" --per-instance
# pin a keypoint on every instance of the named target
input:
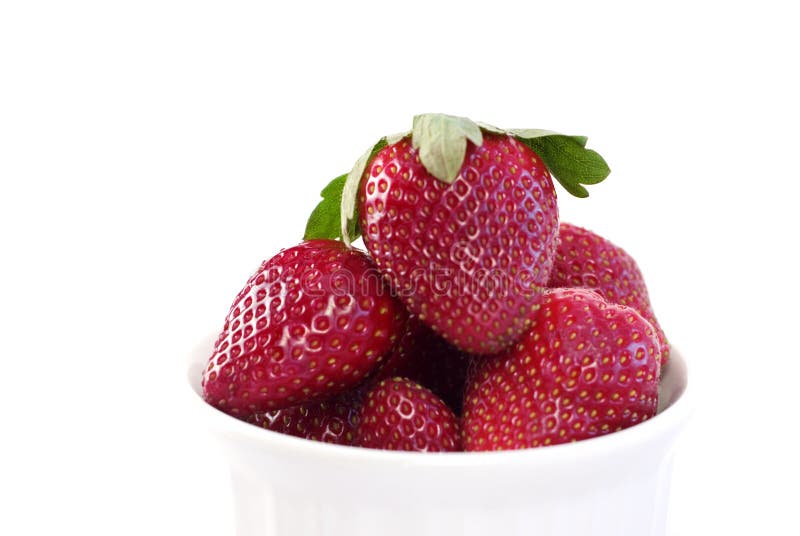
(312, 322)
(585, 259)
(399, 414)
(587, 367)
(424, 357)
(469, 258)
(333, 420)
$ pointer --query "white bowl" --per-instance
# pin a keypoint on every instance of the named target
(613, 485)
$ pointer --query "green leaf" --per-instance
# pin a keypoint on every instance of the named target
(491, 128)
(580, 139)
(442, 143)
(394, 138)
(348, 222)
(567, 158)
(324, 221)
(530, 133)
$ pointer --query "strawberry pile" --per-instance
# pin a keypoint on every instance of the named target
(474, 320)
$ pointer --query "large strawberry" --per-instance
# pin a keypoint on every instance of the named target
(399, 414)
(585, 259)
(585, 368)
(312, 321)
(461, 218)
(333, 420)
(424, 357)
(469, 258)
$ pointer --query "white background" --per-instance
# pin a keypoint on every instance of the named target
(153, 152)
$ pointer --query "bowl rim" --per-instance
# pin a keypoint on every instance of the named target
(670, 418)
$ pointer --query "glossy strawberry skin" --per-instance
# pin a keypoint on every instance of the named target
(585, 259)
(471, 258)
(424, 357)
(312, 322)
(586, 368)
(399, 414)
(333, 420)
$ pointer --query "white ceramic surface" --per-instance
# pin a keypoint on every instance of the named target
(615, 485)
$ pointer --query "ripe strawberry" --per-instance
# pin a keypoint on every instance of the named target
(424, 357)
(399, 414)
(585, 259)
(333, 420)
(313, 321)
(469, 258)
(586, 368)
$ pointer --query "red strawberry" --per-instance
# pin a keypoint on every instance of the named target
(399, 414)
(424, 357)
(313, 321)
(469, 258)
(333, 420)
(585, 259)
(586, 368)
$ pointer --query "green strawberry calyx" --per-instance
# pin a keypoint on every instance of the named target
(441, 141)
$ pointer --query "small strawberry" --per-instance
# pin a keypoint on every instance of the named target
(312, 322)
(424, 357)
(333, 420)
(399, 414)
(585, 259)
(586, 368)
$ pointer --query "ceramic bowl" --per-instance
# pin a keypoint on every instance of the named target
(612, 485)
